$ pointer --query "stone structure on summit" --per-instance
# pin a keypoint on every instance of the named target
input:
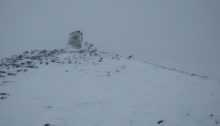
(75, 40)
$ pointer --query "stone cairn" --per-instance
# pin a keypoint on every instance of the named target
(75, 40)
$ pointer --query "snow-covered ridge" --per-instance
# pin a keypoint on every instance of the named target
(36, 58)
(89, 87)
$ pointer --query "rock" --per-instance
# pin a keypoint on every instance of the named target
(20, 57)
(37, 57)
(31, 66)
(17, 65)
(48, 106)
(25, 52)
(29, 62)
(19, 70)
(11, 74)
(160, 121)
(3, 96)
(53, 61)
(130, 57)
(43, 52)
(1, 71)
(1, 76)
(22, 63)
(47, 124)
(101, 59)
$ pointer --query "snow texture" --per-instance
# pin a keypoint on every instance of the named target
(93, 88)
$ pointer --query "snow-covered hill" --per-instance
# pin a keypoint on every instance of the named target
(93, 88)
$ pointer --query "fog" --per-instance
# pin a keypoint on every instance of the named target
(186, 30)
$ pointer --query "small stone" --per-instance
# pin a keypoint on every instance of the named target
(49, 106)
(22, 63)
(3, 94)
(2, 71)
(47, 124)
(19, 70)
(130, 57)
(1, 76)
(160, 121)
(53, 61)
(11, 74)
(117, 71)
(29, 62)
(2, 98)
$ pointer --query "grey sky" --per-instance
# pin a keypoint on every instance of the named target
(150, 29)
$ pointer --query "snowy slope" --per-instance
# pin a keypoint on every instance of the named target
(61, 88)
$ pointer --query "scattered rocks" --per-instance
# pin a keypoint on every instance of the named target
(108, 73)
(200, 76)
(37, 58)
(3, 96)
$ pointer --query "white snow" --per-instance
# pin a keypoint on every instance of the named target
(115, 92)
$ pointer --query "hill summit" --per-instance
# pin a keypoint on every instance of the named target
(84, 86)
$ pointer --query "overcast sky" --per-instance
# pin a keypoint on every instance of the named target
(183, 30)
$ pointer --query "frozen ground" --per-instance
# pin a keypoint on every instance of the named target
(101, 89)
(207, 69)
